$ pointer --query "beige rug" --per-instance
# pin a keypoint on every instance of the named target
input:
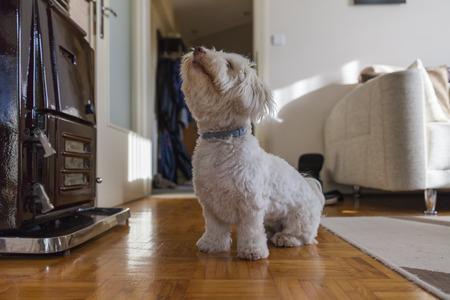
(416, 247)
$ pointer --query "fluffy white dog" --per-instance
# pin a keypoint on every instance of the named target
(235, 180)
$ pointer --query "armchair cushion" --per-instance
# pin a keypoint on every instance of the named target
(438, 143)
(439, 79)
(437, 93)
(433, 109)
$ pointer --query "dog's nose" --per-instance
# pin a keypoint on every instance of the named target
(198, 50)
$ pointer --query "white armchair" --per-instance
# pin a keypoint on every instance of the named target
(380, 136)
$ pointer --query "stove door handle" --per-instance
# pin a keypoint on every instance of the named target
(39, 191)
(49, 151)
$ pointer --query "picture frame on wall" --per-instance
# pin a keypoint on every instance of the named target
(380, 1)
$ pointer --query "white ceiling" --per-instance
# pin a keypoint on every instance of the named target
(199, 18)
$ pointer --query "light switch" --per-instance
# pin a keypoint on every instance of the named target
(278, 39)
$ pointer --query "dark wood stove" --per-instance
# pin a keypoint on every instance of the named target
(47, 119)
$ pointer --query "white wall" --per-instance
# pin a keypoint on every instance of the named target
(237, 39)
(327, 43)
(79, 12)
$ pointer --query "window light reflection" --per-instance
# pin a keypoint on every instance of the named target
(347, 74)
(139, 157)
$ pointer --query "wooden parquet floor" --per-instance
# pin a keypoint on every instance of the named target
(155, 257)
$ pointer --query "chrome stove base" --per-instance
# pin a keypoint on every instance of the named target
(61, 235)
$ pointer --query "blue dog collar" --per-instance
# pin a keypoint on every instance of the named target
(222, 135)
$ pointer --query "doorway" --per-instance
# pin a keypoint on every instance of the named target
(224, 26)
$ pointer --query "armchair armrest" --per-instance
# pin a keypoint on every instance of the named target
(375, 135)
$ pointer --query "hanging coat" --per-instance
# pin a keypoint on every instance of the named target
(170, 104)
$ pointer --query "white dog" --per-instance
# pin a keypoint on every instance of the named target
(235, 180)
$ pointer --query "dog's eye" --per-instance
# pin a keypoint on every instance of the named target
(228, 65)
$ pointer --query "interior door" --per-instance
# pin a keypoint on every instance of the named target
(123, 156)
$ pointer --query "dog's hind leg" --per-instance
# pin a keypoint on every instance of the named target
(252, 240)
(217, 234)
(282, 239)
(290, 235)
(298, 229)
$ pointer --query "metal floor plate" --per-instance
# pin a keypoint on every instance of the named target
(63, 234)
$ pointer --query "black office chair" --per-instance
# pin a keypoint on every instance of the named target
(310, 164)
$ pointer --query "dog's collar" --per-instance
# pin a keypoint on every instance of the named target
(222, 135)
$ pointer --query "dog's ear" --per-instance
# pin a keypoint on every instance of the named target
(255, 97)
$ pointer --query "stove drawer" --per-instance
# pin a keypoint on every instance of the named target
(75, 166)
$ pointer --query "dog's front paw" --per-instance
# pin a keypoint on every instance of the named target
(253, 252)
(213, 245)
(284, 240)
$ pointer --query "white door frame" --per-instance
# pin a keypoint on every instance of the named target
(261, 53)
(260, 37)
